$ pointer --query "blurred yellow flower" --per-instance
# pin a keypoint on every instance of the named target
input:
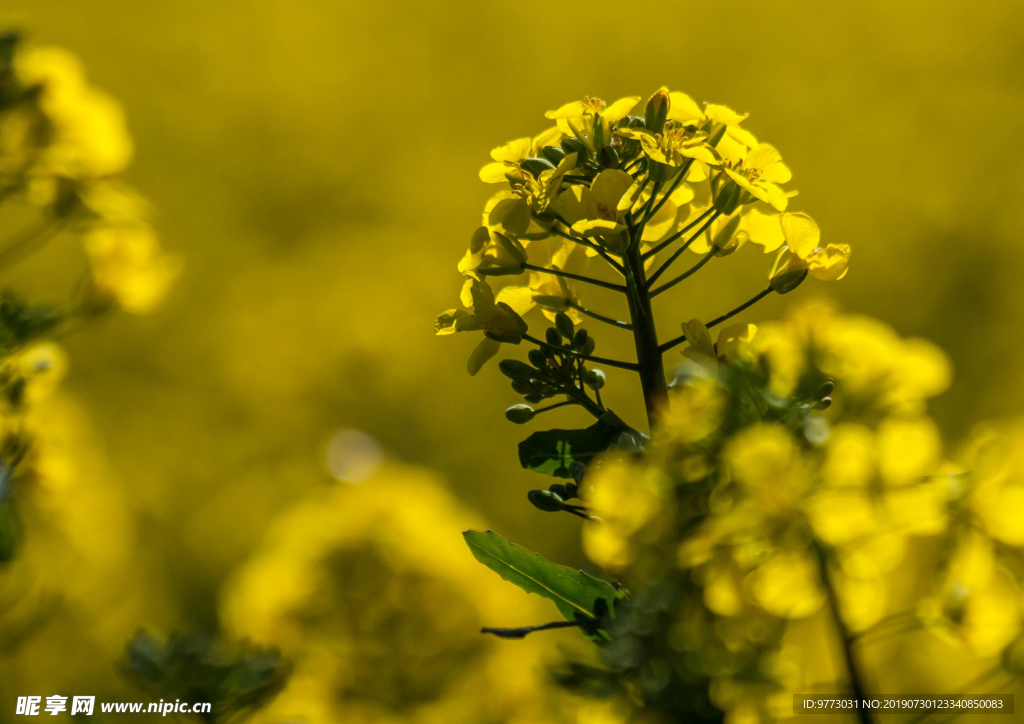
(367, 591)
(129, 266)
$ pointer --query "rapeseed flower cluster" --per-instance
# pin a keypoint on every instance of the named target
(789, 472)
(789, 477)
(63, 146)
(620, 180)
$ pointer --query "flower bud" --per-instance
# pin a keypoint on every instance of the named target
(594, 379)
(823, 404)
(728, 198)
(657, 111)
(716, 136)
(537, 359)
(558, 489)
(551, 302)
(564, 325)
(516, 370)
(608, 157)
(553, 337)
(553, 154)
(725, 234)
(787, 272)
(579, 340)
(520, 414)
(572, 490)
(787, 281)
(589, 346)
(536, 166)
(523, 387)
(546, 500)
(572, 145)
(533, 397)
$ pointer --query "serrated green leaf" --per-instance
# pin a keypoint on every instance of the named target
(575, 593)
(552, 452)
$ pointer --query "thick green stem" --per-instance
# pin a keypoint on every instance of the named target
(649, 359)
(847, 641)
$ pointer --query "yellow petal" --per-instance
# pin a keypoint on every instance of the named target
(829, 264)
(763, 229)
(683, 108)
(908, 449)
(620, 108)
(494, 173)
(801, 232)
(570, 110)
(519, 298)
(723, 114)
(515, 150)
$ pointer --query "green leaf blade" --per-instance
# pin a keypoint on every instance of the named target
(575, 593)
(552, 452)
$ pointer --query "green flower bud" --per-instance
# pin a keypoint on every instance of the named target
(551, 302)
(716, 136)
(554, 154)
(784, 276)
(546, 500)
(572, 490)
(564, 325)
(537, 359)
(516, 370)
(534, 398)
(723, 237)
(594, 379)
(571, 145)
(536, 166)
(523, 387)
(553, 337)
(728, 198)
(520, 414)
(589, 346)
(657, 111)
(577, 470)
(580, 340)
(598, 132)
(826, 389)
(632, 122)
(823, 404)
(608, 157)
(559, 490)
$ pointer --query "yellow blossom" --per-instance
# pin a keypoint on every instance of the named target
(128, 264)
(481, 313)
(507, 158)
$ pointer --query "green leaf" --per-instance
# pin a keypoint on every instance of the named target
(552, 452)
(575, 593)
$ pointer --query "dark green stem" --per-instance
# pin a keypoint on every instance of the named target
(847, 641)
(651, 252)
(692, 270)
(599, 360)
(645, 337)
(675, 255)
(576, 277)
(718, 320)
(601, 317)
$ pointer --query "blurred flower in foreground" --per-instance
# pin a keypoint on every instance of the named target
(379, 607)
(63, 144)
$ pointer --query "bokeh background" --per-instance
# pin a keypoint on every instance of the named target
(315, 165)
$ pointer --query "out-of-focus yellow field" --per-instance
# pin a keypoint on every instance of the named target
(315, 165)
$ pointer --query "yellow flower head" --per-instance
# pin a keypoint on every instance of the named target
(481, 313)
